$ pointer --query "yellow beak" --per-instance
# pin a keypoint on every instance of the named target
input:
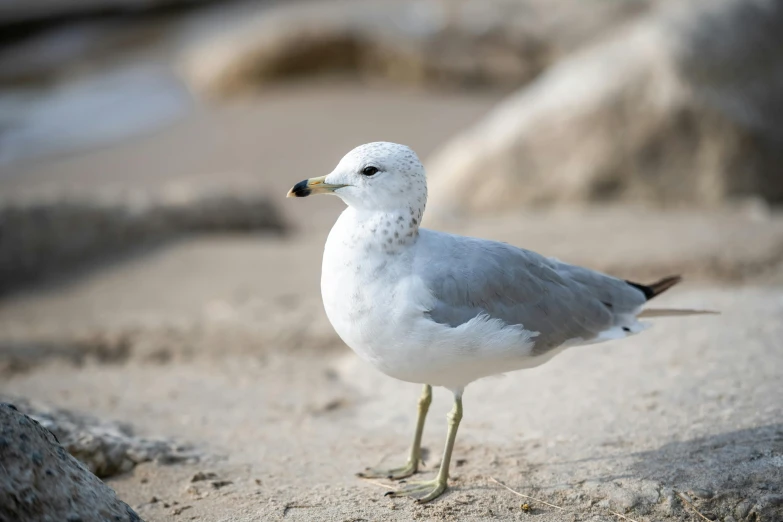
(312, 186)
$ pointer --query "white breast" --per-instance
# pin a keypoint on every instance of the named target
(378, 307)
(360, 287)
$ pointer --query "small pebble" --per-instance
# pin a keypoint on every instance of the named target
(702, 493)
(743, 508)
(203, 475)
(771, 500)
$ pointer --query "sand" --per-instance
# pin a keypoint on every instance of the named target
(230, 350)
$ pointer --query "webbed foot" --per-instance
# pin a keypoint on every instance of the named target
(423, 491)
(394, 473)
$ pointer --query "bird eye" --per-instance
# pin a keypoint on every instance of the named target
(370, 170)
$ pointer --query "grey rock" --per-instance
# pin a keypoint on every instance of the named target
(41, 481)
(18, 355)
(769, 507)
(203, 475)
(773, 500)
(702, 493)
(686, 498)
(626, 499)
(105, 448)
(743, 508)
(463, 44)
(49, 234)
(26, 11)
(651, 114)
(671, 504)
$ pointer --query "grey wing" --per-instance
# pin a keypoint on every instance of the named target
(469, 277)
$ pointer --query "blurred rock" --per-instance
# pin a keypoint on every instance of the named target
(20, 355)
(462, 43)
(41, 481)
(19, 11)
(45, 234)
(682, 107)
(73, 49)
(106, 448)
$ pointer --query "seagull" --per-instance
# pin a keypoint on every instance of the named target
(438, 309)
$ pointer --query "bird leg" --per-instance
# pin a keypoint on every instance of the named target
(424, 491)
(415, 455)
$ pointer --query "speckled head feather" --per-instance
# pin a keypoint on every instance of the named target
(382, 176)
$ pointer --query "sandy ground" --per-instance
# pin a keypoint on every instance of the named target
(694, 404)
(230, 351)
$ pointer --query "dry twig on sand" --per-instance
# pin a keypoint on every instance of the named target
(493, 479)
(380, 484)
(690, 505)
(622, 516)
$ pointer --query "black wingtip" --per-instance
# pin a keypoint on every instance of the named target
(656, 288)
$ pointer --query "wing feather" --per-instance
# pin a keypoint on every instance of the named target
(468, 277)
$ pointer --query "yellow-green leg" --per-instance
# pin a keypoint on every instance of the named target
(424, 491)
(415, 455)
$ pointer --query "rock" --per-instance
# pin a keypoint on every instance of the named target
(743, 508)
(17, 355)
(27, 11)
(105, 448)
(47, 234)
(772, 500)
(625, 499)
(671, 504)
(41, 481)
(179, 510)
(702, 493)
(667, 110)
(462, 44)
(203, 475)
(769, 507)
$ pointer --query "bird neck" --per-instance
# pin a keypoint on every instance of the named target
(390, 231)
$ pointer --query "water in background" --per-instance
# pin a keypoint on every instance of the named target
(89, 111)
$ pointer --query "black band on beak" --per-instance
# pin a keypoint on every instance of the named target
(301, 190)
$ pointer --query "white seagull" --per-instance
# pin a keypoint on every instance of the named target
(444, 310)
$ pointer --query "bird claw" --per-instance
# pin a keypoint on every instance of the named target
(392, 474)
(422, 491)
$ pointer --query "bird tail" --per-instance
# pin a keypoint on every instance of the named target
(659, 287)
(673, 312)
(656, 288)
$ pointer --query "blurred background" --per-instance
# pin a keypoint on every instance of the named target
(153, 273)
